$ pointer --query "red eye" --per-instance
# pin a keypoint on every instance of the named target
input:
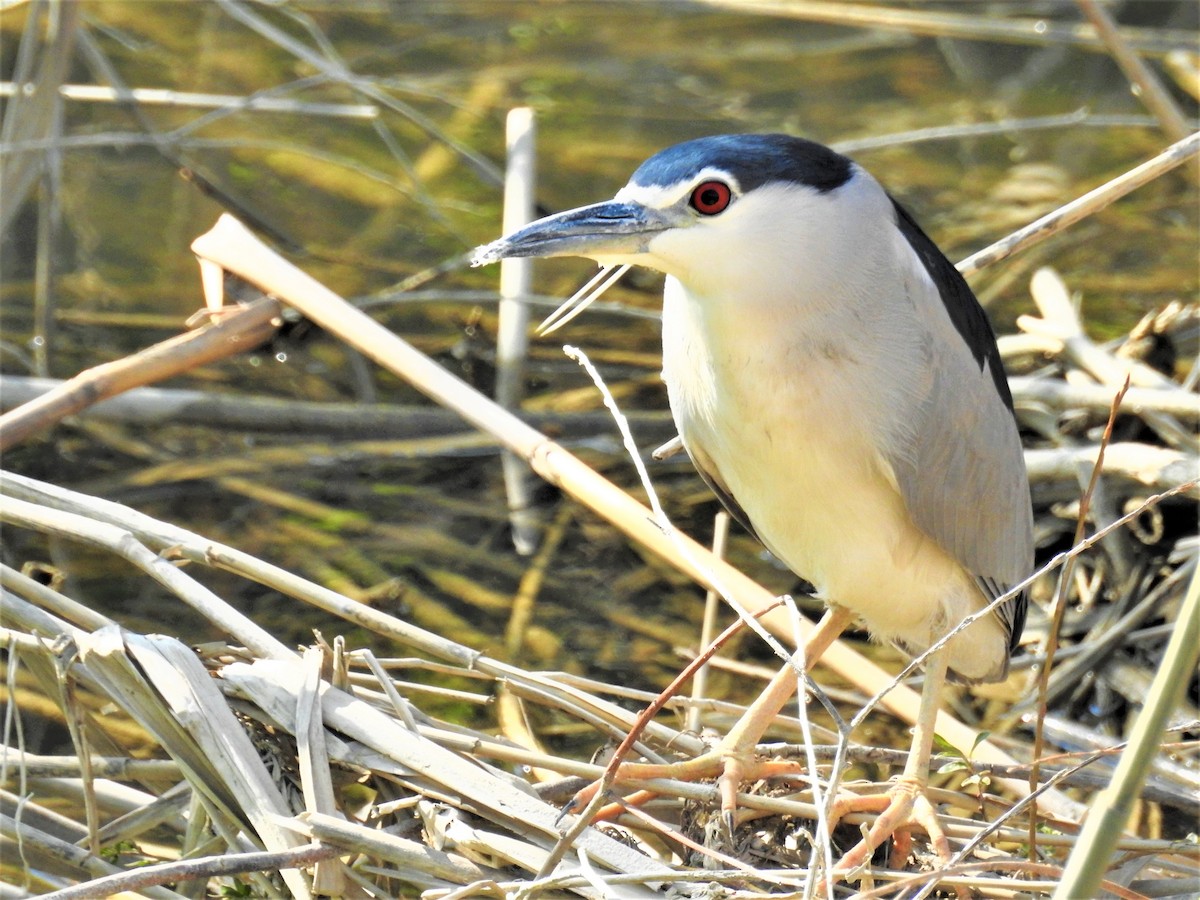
(711, 197)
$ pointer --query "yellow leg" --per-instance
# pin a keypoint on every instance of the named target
(900, 809)
(737, 749)
(732, 760)
(905, 805)
(745, 733)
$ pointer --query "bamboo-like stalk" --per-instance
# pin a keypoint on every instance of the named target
(48, 598)
(1111, 807)
(512, 336)
(232, 247)
(238, 331)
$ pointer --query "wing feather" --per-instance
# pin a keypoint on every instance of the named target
(708, 471)
(962, 472)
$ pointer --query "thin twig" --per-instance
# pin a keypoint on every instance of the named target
(1059, 606)
(208, 867)
(1082, 207)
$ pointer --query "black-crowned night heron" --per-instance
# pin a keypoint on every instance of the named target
(837, 384)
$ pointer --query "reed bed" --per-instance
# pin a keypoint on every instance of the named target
(254, 766)
(269, 769)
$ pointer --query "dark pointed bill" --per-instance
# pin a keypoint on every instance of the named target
(610, 229)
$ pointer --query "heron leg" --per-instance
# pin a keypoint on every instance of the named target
(736, 751)
(732, 760)
(904, 806)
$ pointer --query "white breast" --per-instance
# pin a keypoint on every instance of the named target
(791, 397)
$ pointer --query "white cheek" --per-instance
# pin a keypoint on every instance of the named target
(681, 252)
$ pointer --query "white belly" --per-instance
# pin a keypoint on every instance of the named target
(794, 440)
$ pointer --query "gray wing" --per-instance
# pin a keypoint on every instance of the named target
(962, 474)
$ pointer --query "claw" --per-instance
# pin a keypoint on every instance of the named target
(569, 808)
(900, 809)
(728, 823)
(734, 771)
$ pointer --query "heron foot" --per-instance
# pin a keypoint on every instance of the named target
(900, 809)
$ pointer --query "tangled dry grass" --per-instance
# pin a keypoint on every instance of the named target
(267, 770)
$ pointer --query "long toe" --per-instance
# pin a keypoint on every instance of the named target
(900, 809)
(731, 768)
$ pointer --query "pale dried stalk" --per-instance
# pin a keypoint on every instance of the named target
(224, 864)
(231, 247)
(316, 780)
(124, 544)
(410, 855)
(512, 331)
(167, 689)
(1062, 395)
(1154, 467)
(38, 845)
(1082, 207)
(241, 330)
(119, 768)
(187, 545)
(269, 683)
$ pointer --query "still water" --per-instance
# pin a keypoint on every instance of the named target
(373, 165)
